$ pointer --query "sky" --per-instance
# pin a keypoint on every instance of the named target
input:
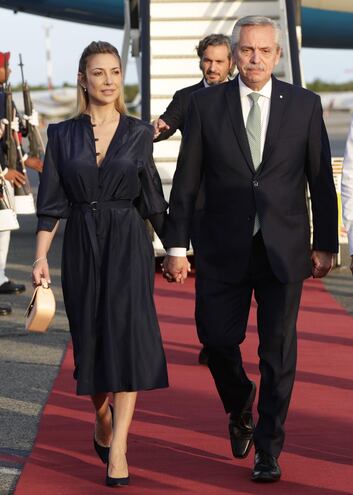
(24, 33)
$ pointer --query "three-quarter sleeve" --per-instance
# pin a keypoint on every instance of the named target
(52, 202)
(151, 203)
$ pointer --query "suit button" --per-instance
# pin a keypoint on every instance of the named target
(255, 183)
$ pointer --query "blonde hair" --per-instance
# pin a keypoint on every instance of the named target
(95, 48)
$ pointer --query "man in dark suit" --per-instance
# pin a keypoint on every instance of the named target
(256, 142)
(215, 54)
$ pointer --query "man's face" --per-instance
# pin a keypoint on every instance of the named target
(256, 55)
(215, 64)
(4, 75)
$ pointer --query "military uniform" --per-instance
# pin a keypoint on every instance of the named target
(6, 286)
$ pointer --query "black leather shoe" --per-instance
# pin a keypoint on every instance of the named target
(266, 468)
(103, 452)
(241, 428)
(116, 481)
(10, 287)
(5, 309)
(203, 357)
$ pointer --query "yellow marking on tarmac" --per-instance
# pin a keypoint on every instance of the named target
(20, 406)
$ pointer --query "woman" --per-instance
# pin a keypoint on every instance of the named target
(99, 173)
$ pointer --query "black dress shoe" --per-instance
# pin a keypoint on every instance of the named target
(203, 357)
(5, 309)
(10, 287)
(241, 427)
(266, 468)
(116, 481)
(103, 452)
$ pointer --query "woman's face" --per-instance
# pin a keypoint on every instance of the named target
(103, 78)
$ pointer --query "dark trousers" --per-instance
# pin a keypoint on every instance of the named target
(222, 311)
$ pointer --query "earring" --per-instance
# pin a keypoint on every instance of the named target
(84, 88)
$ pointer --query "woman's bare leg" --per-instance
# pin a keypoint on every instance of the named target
(124, 406)
(103, 425)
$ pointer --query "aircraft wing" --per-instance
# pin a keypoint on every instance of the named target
(108, 13)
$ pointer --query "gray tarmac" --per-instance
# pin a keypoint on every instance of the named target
(30, 362)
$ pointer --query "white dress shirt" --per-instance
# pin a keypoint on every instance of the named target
(264, 104)
(347, 189)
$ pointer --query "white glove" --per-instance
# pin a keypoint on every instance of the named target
(15, 124)
(33, 119)
(2, 127)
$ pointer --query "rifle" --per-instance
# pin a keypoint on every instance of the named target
(13, 153)
(36, 147)
(10, 145)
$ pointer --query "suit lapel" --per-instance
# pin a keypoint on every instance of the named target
(279, 99)
(236, 116)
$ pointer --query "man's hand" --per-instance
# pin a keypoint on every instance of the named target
(175, 268)
(322, 263)
(16, 177)
(159, 126)
(34, 163)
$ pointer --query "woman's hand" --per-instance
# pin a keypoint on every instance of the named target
(40, 272)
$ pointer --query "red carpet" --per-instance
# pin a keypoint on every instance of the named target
(179, 443)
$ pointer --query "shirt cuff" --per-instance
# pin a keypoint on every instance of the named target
(176, 251)
(350, 241)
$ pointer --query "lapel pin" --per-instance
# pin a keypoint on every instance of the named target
(281, 96)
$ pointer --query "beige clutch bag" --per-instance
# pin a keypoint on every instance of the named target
(41, 309)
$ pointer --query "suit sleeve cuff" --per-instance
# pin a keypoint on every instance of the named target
(176, 251)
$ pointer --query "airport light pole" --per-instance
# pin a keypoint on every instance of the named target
(48, 57)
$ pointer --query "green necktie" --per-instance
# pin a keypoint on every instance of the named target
(253, 131)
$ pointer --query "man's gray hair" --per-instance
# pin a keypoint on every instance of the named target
(255, 20)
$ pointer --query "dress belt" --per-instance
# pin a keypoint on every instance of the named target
(89, 210)
(99, 205)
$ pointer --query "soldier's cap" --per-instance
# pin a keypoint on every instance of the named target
(4, 59)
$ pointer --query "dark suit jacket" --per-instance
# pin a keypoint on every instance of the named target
(215, 149)
(175, 113)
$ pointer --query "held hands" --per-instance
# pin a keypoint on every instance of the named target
(159, 126)
(175, 268)
(322, 263)
(40, 272)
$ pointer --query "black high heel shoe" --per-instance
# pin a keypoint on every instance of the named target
(116, 481)
(103, 452)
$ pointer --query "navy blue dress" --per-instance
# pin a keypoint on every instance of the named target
(108, 259)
